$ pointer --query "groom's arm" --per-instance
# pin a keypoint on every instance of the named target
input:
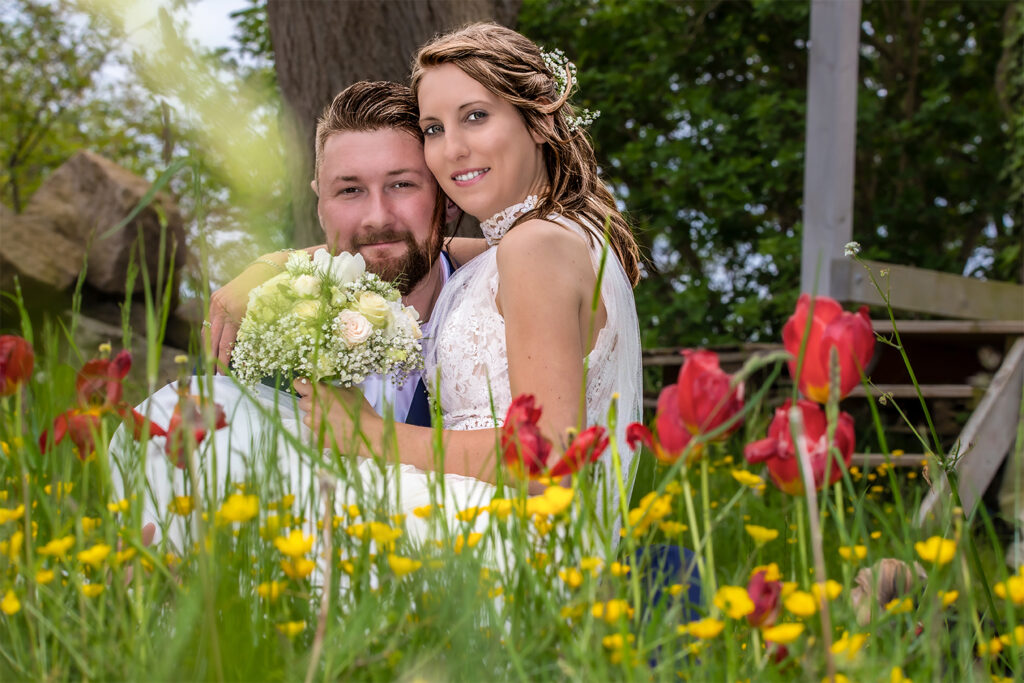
(228, 304)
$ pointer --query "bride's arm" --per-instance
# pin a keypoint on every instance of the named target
(341, 413)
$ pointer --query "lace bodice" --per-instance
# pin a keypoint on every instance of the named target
(469, 357)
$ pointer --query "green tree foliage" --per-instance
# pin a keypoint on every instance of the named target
(702, 136)
(56, 98)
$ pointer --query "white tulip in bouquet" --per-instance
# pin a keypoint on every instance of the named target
(326, 318)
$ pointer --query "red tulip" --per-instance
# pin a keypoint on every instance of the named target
(831, 326)
(586, 447)
(765, 596)
(99, 391)
(16, 363)
(523, 447)
(99, 380)
(188, 415)
(706, 398)
(778, 453)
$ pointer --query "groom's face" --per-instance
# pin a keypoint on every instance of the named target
(377, 198)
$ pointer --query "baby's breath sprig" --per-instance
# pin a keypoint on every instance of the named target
(564, 72)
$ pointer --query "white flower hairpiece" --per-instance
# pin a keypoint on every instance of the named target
(564, 72)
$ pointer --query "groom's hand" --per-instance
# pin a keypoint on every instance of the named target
(227, 308)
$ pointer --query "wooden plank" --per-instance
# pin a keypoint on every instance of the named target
(950, 327)
(928, 291)
(985, 439)
(873, 460)
(831, 139)
(908, 391)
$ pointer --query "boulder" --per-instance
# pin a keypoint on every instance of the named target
(84, 199)
(32, 249)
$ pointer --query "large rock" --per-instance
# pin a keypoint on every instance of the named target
(87, 196)
(32, 249)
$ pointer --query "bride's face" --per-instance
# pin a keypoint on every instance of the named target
(476, 144)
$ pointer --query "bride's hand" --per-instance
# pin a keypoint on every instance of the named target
(338, 412)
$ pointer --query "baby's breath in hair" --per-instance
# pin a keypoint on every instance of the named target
(564, 72)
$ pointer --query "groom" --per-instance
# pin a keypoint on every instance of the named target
(377, 198)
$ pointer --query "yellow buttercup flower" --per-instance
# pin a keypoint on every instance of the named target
(89, 524)
(571, 612)
(783, 634)
(238, 508)
(747, 478)
(1015, 638)
(832, 590)
(948, 597)
(612, 610)
(899, 606)
(467, 541)
(118, 506)
(673, 529)
(618, 569)
(10, 604)
(553, 501)
(270, 590)
(875, 535)
(122, 556)
(424, 511)
(469, 514)
(1012, 589)
(801, 603)
(616, 641)
(591, 564)
(734, 601)
(95, 555)
(295, 544)
(180, 505)
(403, 565)
(379, 532)
(573, 577)
(849, 645)
(12, 547)
(651, 509)
(705, 629)
(500, 507)
(291, 628)
(771, 571)
(11, 515)
(853, 552)
(896, 676)
(936, 549)
(44, 576)
(760, 534)
(298, 568)
(91, 590)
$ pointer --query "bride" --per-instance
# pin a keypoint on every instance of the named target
(521, 318)
(505, 145)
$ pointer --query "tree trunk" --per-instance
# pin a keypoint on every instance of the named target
(322, 47)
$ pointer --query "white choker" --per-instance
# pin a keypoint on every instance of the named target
(495, 227)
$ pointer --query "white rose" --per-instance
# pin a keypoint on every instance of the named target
(307, 309)
(307, 286)
(374, 307)
(355, 328)
(342, 268)
(414, 322)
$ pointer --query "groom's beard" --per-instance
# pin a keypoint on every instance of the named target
(408, 270)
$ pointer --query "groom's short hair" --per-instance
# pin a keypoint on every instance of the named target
(367, 106)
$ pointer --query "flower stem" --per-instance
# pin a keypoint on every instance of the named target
(708, 525)
(691, 513)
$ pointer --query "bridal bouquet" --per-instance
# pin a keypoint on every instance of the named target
(325, 317)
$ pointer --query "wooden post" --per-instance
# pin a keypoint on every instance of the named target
(831, 138)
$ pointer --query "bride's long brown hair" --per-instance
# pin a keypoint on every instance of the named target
(511, 66)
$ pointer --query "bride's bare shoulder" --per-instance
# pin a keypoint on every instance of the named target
(543, 241)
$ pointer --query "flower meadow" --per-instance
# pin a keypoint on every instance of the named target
(803, 566)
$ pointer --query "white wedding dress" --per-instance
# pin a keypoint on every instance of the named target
(267, 445)
(470, 358)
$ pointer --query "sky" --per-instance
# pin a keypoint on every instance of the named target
(210, 23)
